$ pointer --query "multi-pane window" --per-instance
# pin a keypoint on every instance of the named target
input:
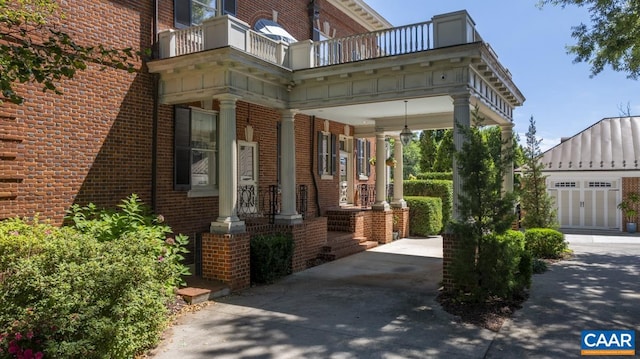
(326, 153)
(363, 154)
(194, 12)
(195, 162)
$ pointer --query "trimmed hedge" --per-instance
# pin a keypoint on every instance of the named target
(448, 176)
(271, 257)
(68, 295)
(545, 242)
(425, 215)
(433, 188)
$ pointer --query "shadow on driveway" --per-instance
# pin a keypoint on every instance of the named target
(598, 289)
(376, 304)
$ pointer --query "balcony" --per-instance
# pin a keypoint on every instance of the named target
(442, 31)
(362, 80)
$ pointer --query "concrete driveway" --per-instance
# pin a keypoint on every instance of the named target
(381, 304)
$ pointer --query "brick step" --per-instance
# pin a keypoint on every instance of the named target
(341, 253)
(339, 240)
(369, 244)
(200, 290)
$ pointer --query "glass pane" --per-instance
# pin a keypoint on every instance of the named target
(246, 164)
(203, 131)
(202, 10)
(202, 164)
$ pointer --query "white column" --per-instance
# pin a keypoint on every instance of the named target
(288, 213)
(381, 178)
(227, 221)
(398, 182)
(507, 146)
(461, 117)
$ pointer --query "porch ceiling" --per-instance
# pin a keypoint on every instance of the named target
(367, 114)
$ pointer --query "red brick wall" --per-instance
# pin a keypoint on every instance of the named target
(226, 257)
(401, 216)
(629, 185)
(382, 221)
(93, 143)
(294, 17)
(448, 249)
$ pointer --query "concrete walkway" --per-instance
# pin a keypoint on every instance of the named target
(381, 304)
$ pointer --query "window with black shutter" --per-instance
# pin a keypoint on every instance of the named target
(195, 151)
(327, 154)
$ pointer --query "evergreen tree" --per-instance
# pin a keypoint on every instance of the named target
(484, 263)
(428, 149)
(535, 201)
(444, 155)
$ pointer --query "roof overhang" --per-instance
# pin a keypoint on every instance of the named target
(364, 14)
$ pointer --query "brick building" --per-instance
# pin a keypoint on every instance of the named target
(248, 119)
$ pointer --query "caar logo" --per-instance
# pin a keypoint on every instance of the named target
(608, 342)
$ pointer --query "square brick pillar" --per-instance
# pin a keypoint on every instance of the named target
(226, 257)
(448, 249)
(382, 226)
(402, 215)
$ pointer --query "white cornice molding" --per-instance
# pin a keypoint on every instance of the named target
(364, 14)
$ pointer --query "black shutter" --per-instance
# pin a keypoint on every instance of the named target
(359, 159)
(319, 150)
(334, 146)
(182, 149)
(367, 155)
(279, 152)
(182, 13)
(229, 7)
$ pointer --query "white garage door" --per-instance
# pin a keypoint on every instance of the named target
(589, 204)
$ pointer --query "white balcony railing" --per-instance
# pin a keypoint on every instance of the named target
(396, 41)
(189, 40)
(443, 30)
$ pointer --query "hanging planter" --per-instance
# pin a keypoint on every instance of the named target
(391, 162)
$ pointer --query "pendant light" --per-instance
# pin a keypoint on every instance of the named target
(406, 135)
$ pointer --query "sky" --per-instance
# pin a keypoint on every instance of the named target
(531, 42)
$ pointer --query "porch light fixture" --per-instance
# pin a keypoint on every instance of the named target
(406, 135)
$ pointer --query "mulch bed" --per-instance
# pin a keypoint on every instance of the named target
(490, 314)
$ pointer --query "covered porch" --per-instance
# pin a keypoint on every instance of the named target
(421, 76)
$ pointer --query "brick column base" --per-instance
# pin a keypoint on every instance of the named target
(382, 225)
(448, 249)
(402, 215)
(226, 257)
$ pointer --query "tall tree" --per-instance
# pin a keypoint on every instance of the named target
(612, 38)
(535, 201)
(34, 49)
(444, 155)
(428, 149)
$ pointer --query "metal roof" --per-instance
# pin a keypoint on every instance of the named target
(612, 144)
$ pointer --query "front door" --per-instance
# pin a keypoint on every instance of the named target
(247, 178)
(346, 171)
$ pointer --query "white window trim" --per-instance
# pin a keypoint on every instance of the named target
(327, 157)
(213, 191)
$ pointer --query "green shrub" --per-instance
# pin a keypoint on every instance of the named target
(545, 242)
(68, 295)
(433, 188)
(425, 215)
(133, 219)
(539, 266)
(503, 267)
(435, 176)
(271, 257)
